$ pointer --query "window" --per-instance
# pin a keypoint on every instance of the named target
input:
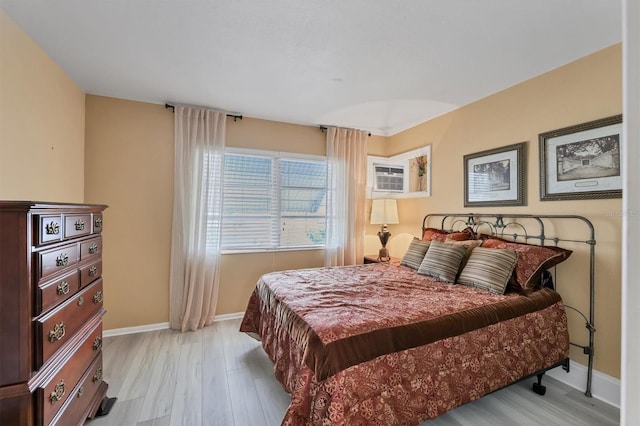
(273, 201)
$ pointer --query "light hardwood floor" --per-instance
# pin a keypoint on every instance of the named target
(219, 376)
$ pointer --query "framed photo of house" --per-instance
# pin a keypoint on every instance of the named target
(581, 162)
(496, 177)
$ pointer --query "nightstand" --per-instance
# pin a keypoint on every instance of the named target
(373, 258)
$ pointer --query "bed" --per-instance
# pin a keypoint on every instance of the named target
(392, 343)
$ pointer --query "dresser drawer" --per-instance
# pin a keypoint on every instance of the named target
(56, 291)
(53, 261)
(97, 223)
(60, 387)
(90, 248)
(55, 328)
(49, 229)
(77, 225)
(90, 272)
(79, 405)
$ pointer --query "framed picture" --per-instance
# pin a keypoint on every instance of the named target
(496, 177)
(581, 162)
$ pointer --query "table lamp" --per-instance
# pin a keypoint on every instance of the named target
(384, 212)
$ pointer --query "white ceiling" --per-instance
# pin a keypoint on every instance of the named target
(376, 65)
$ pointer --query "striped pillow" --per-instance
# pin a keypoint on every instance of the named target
(442, 260)
(470, 244)
(489, 269)
(414, 255)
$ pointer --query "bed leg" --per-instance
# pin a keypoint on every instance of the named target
(538, 387)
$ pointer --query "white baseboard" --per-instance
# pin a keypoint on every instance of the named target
(136, 329)
(162, 325)
(604, 387)
(226, 317)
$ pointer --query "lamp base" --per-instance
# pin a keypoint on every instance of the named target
(383, 255)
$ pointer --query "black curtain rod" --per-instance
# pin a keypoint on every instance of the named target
(234, 116)
(323, 128)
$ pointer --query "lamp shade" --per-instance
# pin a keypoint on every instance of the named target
(384, 211)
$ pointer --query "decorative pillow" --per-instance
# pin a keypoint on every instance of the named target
(415, 253)
(470, 245)
(442, 261)
(431, 234)
(532, 260)
(489, 269)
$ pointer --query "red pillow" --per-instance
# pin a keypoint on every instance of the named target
(431, 234)
(533, 260)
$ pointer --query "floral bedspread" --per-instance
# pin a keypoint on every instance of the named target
(380, 344)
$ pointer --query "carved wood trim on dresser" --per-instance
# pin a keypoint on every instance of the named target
(51, 293)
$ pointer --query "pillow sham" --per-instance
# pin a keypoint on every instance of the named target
(532, 260)
(442, 261)
(489, 269)
(470, 244)
(415, 253)
(431, 234)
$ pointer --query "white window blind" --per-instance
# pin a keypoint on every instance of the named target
(273, 202)
(210, 194)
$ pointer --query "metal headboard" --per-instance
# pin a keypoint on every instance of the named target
(499, 224)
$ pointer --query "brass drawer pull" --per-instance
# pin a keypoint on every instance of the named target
(62, 260)
(97, 298)
(97, 344)
(80, 301)
(79, 225)
(57, 393)
(93, 271)
(80, 391)
(62, 288)
(98, 376)
(93, 249)
(57, 333)
(52, 228)
(98, 222)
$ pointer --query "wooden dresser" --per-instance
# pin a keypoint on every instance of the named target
(50, 313)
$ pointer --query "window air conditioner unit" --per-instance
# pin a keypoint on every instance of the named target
(388, 178)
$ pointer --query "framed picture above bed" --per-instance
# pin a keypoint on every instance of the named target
(581, 162)
(496, 177)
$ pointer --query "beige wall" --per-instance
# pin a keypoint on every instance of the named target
(378, 145)
(584, 90)
(41, 123)
(129, 166)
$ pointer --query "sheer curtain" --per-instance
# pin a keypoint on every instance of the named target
(346, 198)
(197, 212)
